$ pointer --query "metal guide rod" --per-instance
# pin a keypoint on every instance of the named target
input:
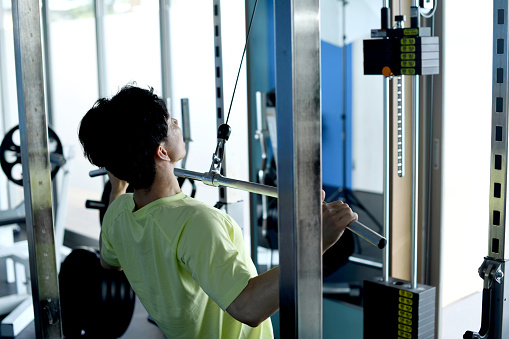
(36, 168)
(415, 180)
(217, 180)
(386, 179)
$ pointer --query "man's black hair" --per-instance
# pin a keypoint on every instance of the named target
(122, 134)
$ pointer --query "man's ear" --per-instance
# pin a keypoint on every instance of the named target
(161, 153)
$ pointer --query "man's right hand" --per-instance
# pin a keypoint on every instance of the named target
(336, 216)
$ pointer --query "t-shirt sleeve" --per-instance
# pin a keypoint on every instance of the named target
(208, 249)
(107, 252)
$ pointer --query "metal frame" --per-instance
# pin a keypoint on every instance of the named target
(102, 74)
(36, 167)
(218, 62)
(164, 34)
(415, 181)
(7, 199)
(297, 29)
(495, 319)
(498, 181)
(386, 179)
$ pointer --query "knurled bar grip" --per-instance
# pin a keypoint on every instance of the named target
(216, 179)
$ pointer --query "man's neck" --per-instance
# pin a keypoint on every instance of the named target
(165, 185)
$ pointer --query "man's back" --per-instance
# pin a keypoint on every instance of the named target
(185, 260)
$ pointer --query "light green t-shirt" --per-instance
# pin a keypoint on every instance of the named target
(186, 261)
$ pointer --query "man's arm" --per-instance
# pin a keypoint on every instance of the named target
(104, 264)
(260, 299)
(118, 187)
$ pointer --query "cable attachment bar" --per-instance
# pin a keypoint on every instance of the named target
(223, 134)
(213, 178)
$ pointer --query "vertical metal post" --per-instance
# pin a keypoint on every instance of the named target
(298, 106)
(345, 187)
(498, 187)
(46, 28)
(164, 32)
(386, 179)
(218, 60)
(5, 122)
(495, 317)
(102, 74)
(3, 75)
(415, 180)
(186, 127)
(36, 167)
(498, 235)
(47, 59)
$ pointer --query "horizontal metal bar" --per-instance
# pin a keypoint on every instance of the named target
(214, 179)
(217, 180)
(366, 262)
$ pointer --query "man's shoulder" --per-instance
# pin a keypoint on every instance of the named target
(118, 205)
(198, 207)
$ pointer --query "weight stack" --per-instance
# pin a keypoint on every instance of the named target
(394, 310)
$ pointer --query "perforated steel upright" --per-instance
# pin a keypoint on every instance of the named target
(495, 318)
(218, 61)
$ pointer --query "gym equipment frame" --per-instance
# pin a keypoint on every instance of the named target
(36, 168)
(495, 315)
(393, 307)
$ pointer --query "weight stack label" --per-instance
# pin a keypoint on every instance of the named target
(393, 310)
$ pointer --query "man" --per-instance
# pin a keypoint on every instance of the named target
(185, 260)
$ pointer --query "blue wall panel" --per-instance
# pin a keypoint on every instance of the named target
(332, 113)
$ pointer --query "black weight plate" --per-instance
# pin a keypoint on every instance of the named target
(10, 155)
(95, 302)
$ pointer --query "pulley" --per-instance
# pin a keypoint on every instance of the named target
(10, 155)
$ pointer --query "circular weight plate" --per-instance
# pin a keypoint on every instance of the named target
(10, 155)
(95, 302)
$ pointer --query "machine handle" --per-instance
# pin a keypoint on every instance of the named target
(367, 234)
